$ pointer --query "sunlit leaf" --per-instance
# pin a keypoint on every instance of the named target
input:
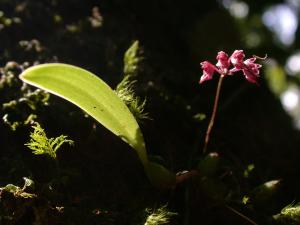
(97, 99)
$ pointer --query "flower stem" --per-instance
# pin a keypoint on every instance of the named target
(213, 116)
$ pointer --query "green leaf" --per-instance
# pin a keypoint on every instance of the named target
(97, 99)
(91, 94)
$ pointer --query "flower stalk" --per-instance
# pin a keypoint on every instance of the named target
(214, 112)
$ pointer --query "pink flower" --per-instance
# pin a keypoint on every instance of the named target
(223, 61)
(249, 67)
(237, 59)
(208, 71)
(251, 70)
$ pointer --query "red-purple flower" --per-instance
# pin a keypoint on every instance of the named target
(223, 62)
(237, 59)
(249, 68)
(208, 71)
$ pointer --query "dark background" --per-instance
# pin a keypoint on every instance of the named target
(252, 127)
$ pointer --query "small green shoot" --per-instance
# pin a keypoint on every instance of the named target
(132, 59)
(40, 144)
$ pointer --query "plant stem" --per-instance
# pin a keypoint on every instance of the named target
(213, 116)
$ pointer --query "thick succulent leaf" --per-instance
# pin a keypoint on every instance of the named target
(91, 94)
(97, 99)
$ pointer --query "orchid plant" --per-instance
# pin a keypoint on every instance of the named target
(114, 108)
(227, 66)
(108, 107)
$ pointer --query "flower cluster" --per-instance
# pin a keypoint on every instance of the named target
(249, 68)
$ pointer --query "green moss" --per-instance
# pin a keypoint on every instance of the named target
(40, 144)
(289, 215)
(159, 216)
(125, 92)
